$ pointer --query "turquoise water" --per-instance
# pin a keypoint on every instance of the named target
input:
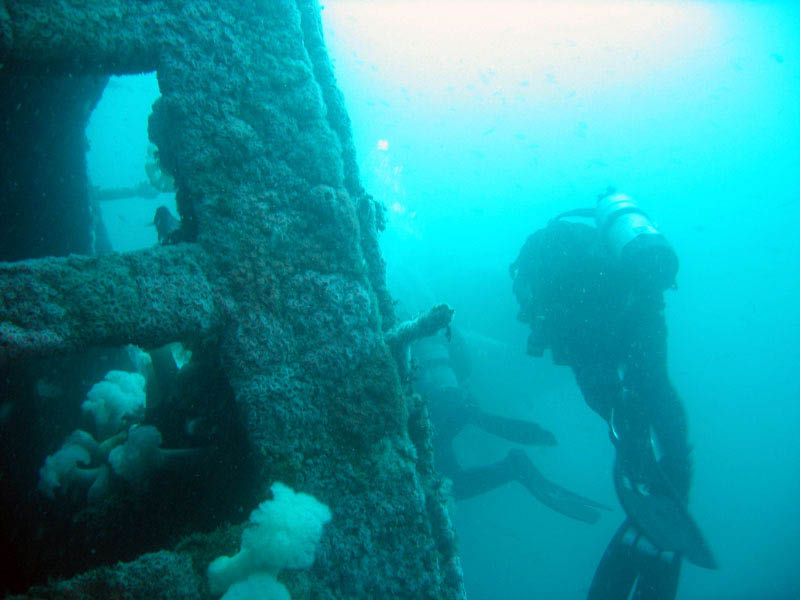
(475, 123)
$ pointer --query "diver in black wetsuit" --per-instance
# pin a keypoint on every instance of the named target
(594, 296)
(451, 407)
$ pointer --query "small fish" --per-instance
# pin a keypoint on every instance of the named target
(167, 226)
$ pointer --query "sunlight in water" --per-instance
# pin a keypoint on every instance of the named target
(504, 46)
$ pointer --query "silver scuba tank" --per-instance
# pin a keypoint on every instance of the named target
(643, 253)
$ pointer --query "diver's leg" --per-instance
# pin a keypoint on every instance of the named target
(658, 579)
(468, 483)
(669, 423)
(450, 410)
(647, 377)
(617, 571)
(445, 457)
(600, 386)
(630, 562)
(513, 430)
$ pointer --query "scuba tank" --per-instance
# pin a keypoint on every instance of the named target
(642, 251)
(640, 257)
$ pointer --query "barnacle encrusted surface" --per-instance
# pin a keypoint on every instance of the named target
(281, 269)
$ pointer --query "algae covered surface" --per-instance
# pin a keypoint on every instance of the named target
(274, 284)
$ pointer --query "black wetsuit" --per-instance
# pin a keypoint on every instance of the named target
(611, 333)
(451, 408)
(609, 328)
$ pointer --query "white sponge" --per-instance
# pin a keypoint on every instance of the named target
(139, 455)
(68, 469)
(116, 402)
(259, 586)
(283, 533)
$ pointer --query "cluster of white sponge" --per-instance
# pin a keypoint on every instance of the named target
(131, 451)
(283, 533)
(70, 469)
(116, 402)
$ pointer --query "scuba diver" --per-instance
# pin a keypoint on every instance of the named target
(594, 296)
(442, 368)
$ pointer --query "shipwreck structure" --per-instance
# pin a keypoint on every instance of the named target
(277, 284)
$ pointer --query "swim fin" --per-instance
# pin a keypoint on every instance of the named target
(660, 515)
(630, 570)
(550, 494)
(514, 430)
